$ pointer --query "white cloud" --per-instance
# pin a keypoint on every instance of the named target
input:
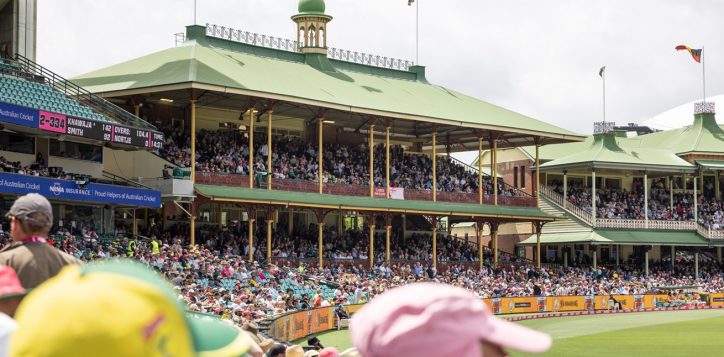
(540, 58)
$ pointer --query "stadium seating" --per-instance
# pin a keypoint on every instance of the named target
(44, 97)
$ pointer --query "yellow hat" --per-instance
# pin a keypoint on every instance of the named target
(117, 308)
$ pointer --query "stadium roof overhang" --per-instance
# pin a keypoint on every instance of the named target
(368, 204)
(624, 237)
(227, 74)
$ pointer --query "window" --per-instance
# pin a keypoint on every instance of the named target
(17, 143)
(522, 177)
(77, 151)
(515, 177)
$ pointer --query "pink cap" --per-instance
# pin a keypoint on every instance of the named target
(428, 319)
(9, 282)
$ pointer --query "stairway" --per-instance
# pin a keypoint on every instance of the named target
(569, 225)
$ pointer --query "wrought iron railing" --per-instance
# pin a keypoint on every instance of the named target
(278, 43)
(72, 90)
(558, 200)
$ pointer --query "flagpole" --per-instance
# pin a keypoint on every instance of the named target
(194, 12)
(604, 97)
(417, 32)
(703, 74)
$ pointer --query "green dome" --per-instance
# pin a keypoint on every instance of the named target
(311, 6)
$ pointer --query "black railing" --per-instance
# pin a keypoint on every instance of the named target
(28, 69)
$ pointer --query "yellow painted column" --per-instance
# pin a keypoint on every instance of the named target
(537, 245)
(388, 233)
(251, 148)
(137, 110)
(494, 157)
(434, 246)
(480, 169)
(537, 175)
(192, 220)
(320, 244)
(479, 230)
(671, 193)
(494, 233)
(387, 164)
(434, 166)
(716, 185)
(251, 239)
(372, 159)
(320, 158)
(372, 246)
(135, 225)
(269, 152)
(269, 223)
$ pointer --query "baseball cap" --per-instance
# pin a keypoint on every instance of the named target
(9, 283)
(429, 319)
(117, 308)
(24, 206)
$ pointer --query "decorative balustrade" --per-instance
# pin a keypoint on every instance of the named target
(709, 233)
(643, 224)
(278, 43)
(357, 190)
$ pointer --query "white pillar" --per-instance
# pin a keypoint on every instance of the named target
(646, 263)
(565, 187)
(718, 254)
(696, 265)
(595, 249)
(565, 259)
(618, 254)
(593, 197)
(673, 256)
(646, 199)
(696, 203)
(671, 194)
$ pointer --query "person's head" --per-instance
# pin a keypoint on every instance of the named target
(11, 291)
(277, 350)
(314, 341)
(423, 318)
(30, 215)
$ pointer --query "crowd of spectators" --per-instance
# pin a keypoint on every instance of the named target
(35, 169)
(614, 203)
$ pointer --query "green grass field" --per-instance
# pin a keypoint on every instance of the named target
(665, 333)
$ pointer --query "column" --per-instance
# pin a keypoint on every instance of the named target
(192, 218)
(290, 221)
(320, 156)
(479, 232)
(718, 254)
(696, 202)
(494, 170)
(537, 174)
(434, 242)
(671, 193)
(135, 225)
(251, 148)
(387, 163)
(269, 169)
(434, 166)
(480, 169)
(565, 187)
(269, 222)
(372, 242)
(320, 242)
(388, 234)
(404, 227)
(716, 184)
(646, 262)
(251, 236)
(494, 235)
(565, 259)
(673, 256)
(538, 229)
(646, 199)
(595, 251)
(593, 197)
(696, 264)
(372, 159)
(618, 254)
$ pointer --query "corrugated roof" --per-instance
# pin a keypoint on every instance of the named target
(294, 77)
(353, 203)
(626, 237)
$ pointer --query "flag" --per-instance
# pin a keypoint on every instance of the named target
(602, 71)
(695, 53)
(410, 2)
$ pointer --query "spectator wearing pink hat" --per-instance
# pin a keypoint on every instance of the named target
(11, 292)
(428, 319)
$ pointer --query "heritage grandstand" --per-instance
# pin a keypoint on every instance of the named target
(272, 181)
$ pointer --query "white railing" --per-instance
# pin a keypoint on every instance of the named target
(709, 233)
(558, 200)
(643, 224)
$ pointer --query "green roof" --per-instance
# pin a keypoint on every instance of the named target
(711, 164)
(311, 7)
(605, 152)
(240, 68)
(625, 237)
(353, 203)
(703, 136)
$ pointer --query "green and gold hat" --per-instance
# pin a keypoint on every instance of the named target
(117, 308)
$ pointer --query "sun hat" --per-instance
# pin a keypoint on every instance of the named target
(294, 351)
(117, 308)
(10, 283)
(428, 319)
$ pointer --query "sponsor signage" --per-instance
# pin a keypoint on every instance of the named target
(70, 190)
(86, 128)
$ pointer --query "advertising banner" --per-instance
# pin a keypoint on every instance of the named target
(322, 320)
(300, 325)
(17, 115)
(518, 305)
(70, 190)
(716, 299)
(565, 303)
